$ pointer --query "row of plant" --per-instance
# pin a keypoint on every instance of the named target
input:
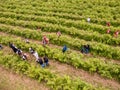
(86, 35)
(106, 69)
(66, 16)
(93, 18)
(55, 82)
(69, 23)
(66, 3)
(97, 11)
(75, 43)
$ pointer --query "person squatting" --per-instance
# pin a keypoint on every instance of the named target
(43, 62)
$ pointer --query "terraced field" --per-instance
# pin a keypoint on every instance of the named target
(98, 70)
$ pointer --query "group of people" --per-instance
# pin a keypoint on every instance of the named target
(45, 40)
(85, 49)
(18, 51)
(43, 62)
(24, 56)
(115, 34)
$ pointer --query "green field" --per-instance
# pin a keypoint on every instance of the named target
(72, 70)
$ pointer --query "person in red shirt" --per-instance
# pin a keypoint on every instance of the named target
(58, 34)
(108, 24)
(45, 40)
(116, 33)
(108, 31)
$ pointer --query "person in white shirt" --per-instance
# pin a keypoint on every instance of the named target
(36, 55)
(31, 50)
(88, 20)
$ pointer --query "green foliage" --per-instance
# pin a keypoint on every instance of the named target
(91, 64)
(53, 81)
(69, 18)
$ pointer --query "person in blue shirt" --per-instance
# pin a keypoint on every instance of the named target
(64, 48)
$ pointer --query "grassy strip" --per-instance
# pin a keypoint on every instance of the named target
(77, 24)
(99, 11)
(86, 35)
(66, 15)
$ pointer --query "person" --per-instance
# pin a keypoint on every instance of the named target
(108, 31)
(85, 49)
(19, 52)
(40, 61)
(27, 41)
(45, 40)
(45, 58)
(36, 55)
(15, 49)
(24, 56)
(31, 50)
(116, 33)
(58, 34)
(108, 24)
(64, 48)
(88, 20)
(1, 47)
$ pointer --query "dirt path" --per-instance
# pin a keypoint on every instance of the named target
(12, 81)
(94, 79)
(64, 69)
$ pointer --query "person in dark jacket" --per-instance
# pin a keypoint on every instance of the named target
(19, 52)
(15, 49)
(46, 60)
(40, 61)
(1, 47)
(85, 49)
